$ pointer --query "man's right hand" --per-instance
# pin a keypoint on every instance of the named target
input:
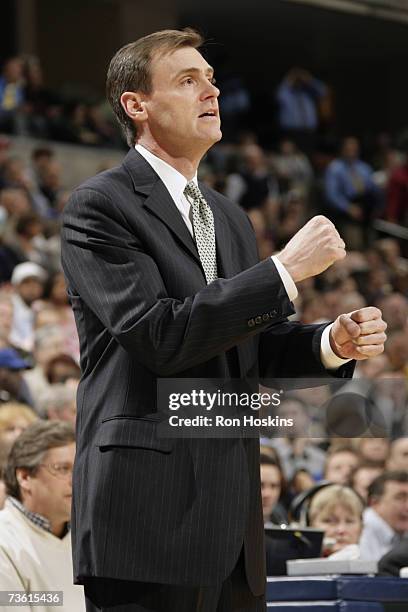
(312, 249)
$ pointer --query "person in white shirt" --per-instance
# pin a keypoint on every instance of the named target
(35, 541)
(28, 280)
(386, 520)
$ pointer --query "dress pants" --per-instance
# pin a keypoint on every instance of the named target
(232, 595)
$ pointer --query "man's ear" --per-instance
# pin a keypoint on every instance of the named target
(23, 479)
(134, 106)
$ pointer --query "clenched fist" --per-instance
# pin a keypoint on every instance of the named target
(359, 334)
(312, 249)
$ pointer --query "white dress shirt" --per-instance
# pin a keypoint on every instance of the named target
(377, 537)
(175, 184)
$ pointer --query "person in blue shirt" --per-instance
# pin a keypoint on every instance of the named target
(11, 93)
(351, 194)
(298, 96)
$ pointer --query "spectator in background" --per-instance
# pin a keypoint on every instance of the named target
(55, 296)
(34, 525)
(11, 94)
(272, 489)
(14, 418)
(48, 343)
(351, 195)
(386, 519)
(58, 403)
(39, 101)
(397, 266)
(298, 96)
(363, 475)
(398, 457)
(28, 280)
(6, 319)
(254, 185)
(396, 209)
(397, 352)
(12, 384)
(395, 311)
(298, 452)
(340, 463)
(338, 510)
(27, 242)
(15, 202)
(373, 449)
(62, 368)
(50, 183)
(235, 103)
(292, 167)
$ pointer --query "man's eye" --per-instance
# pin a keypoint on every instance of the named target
(188, 81)
(213, 81)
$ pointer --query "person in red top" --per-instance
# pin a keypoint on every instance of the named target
(397, 193)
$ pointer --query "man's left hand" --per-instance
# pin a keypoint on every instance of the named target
(359, 334)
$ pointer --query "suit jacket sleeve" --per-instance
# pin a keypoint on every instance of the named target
(292, 350)
(109, 267)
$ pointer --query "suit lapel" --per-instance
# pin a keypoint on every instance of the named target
(158, 200)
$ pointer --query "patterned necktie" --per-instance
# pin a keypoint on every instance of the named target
(203, 224)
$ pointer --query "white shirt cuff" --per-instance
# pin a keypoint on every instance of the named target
(328, 357)
(287, 280)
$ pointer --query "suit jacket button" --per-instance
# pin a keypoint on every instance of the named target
(265, 317)
(258, 320)
(251, 323)
(273, 313)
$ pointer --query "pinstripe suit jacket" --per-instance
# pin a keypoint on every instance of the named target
(147, 508)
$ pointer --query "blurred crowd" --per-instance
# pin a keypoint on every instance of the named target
(361, 498)
(29, 107)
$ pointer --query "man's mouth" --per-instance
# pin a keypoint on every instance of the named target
(208, 114)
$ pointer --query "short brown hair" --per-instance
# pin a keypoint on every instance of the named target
(30, 447)
(129, 69)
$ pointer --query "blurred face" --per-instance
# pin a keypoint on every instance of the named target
(61, 372)
(351, 148)
(15, 201)
(399, 455)
(59, 290)
(291, 409)
(67, 413)
(287, 147)
(49, 348)
(182, 94)
(374, 449)
(340, 524)
(30, 289)
(392, 506)
(395, 311)
(13, 70)
(270, 488)
(363, 478)
(340, 466)
(13, 430)
(49, 491)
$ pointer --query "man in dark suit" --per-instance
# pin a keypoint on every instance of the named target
(164, 279)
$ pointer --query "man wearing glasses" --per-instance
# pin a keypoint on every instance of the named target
(35, 542)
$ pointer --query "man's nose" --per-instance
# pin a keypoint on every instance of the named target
(211, 91)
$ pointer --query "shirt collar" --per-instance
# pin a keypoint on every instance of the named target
(384, 532)
(173, 180)
(34, 517)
